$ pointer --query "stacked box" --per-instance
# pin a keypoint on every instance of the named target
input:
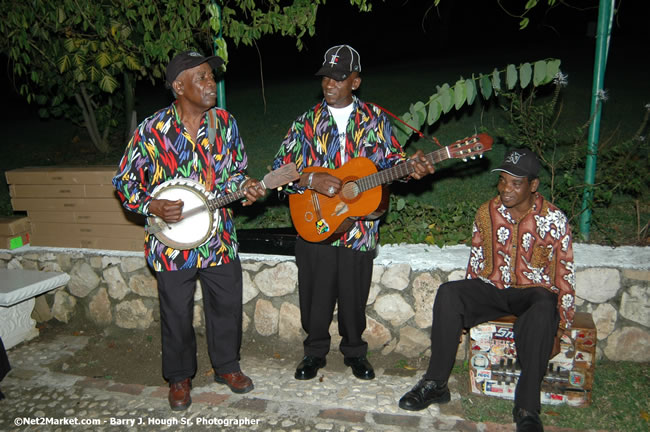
(14, 232)
(494, 370)
(74, 207)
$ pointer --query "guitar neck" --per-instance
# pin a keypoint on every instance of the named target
(399, 171)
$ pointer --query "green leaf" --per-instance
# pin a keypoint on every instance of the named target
(446, 97)
(459, 94)
(552, 68)
(539, 74)
(523, 23)
(525, 73)
(511, 76)
(470, 90)
(103, 59)
(63, 64)
(419, 113)
(108, 83)
(496, 80)
(486, 86)
(401, 203)
(434, 110)
(530, 4)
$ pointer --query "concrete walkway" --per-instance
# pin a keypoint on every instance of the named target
(39, 399)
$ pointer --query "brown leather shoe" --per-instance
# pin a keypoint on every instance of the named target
(237, 381)
(179, 395)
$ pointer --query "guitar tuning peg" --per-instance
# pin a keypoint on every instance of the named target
(464, 159)
(473, 157)
(480, 156)
(290, 183)
(279, 188)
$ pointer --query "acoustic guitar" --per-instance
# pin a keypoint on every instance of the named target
(321, 219)
(200, 208)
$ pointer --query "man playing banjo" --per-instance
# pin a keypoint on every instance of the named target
(190, 139)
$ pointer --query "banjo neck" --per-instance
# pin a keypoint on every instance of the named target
(220, 201)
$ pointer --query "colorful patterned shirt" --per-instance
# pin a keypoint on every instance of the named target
(161, 149)
(313, 140)
(533, 251)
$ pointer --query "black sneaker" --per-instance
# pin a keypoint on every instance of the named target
(425, 393)
(527, 421)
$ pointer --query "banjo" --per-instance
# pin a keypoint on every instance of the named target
(200, 217)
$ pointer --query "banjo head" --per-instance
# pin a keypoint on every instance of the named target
(198, 225)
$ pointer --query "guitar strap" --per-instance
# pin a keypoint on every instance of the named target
(212, 135)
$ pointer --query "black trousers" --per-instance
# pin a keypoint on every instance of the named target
(466, 303)
(327, 275)
(222, 303)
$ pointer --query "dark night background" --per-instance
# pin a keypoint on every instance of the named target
(411, 34)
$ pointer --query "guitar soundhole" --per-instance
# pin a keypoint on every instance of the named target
(309, 216)
(350, 191)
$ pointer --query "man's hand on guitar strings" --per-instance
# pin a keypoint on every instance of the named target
(421, 165)
(325, 184)
(253, 191)
(169, 211)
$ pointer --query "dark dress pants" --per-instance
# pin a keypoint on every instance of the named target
(327, 274)
(222, 304)
(466, 303)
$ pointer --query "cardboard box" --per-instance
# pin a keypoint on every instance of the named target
(494, 369)
(109, 217)
(14, 241)
(85, 242)
(13, 225)
(61, 175)
(62, 191)
(65, 230)
(67, 204)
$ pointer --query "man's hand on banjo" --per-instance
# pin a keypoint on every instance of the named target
(253, 190)
(169, 211)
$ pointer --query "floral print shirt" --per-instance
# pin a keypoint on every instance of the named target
(161, 149)
(533, 251)
(313, 140)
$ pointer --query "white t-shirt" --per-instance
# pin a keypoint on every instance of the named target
(341, 117)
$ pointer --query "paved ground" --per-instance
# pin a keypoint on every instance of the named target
(39, 399)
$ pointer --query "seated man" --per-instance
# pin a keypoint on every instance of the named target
(521, 263)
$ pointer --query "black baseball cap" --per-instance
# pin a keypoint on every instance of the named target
(520, 163)
(188, 60)
(339, 62)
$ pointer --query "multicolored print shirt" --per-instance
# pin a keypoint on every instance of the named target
(533, 251)
(313, 140)
(161, 149)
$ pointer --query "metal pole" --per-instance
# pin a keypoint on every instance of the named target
(605, 15)
(221, 84)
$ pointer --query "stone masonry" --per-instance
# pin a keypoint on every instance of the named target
(118, 289)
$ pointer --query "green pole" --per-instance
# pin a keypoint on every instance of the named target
(605, 15)
(221, 84)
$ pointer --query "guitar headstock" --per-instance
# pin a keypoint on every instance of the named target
(281, 176)
(471, 147)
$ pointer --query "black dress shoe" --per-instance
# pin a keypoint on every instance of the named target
(308, 367)
(527, 421)
(425, 393)
(361, 367)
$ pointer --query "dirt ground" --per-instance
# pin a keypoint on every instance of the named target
(134, 356)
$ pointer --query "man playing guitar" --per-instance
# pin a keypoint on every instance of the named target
(337, 129)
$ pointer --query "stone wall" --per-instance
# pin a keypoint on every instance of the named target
(117, 289)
